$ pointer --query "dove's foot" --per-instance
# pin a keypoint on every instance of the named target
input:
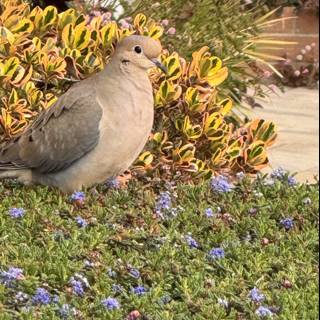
(24, 176)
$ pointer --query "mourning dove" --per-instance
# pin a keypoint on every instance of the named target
(95, 130)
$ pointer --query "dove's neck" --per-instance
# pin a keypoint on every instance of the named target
(128, 73)
(129, 84)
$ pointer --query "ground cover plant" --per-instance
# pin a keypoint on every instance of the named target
(246, 249)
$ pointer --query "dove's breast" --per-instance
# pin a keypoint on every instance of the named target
(124, 130)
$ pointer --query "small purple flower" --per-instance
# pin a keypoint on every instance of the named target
(134, 273)
(113, 183)
(77, 287)
(192, 243)
(163, 203)
(110, 303)
(292, 181)
(278, 173)
(78, 196)
(79, 283)
(82, 223)
(264, 312)
(65, 311)
(8, 277)
(139, 290)
(42, 296)
(221, 184)
(209, 212)
(216, 253)
(287, 223)
(255, 295)
(16, 212)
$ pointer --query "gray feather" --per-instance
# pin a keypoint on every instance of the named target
(58, 137)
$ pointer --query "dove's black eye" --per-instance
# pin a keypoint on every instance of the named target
(137, 49)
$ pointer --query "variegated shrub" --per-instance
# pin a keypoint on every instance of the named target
(43, 52)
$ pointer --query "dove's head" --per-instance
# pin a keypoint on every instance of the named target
(139, 52)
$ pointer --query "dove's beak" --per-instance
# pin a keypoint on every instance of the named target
(160, 65)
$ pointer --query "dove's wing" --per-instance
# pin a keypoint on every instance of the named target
(59, 136)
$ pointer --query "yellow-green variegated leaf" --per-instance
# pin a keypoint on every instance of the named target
(49, 17)
(173, 66)
(6, 36)
(216, 65)
(140, 20)
(255, 156)
(183, 154)
(155, 31)
(202, 170)
(23, 26)
(218, 77)
(145, 159)
(66, 17)
(204, 67)
(192, 99)
(192, 132)
(21, 76)
(9, 67)
(167, 93)
(212, 122)
(81, 37)
(108, 33)
(218, 158)
(234, 149)
(263, 130)
(160, 137)
(225, 106)
(67, 35)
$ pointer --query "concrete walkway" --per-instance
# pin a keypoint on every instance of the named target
(296, 113)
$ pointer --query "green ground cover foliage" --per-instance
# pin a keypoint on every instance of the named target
(194, 263)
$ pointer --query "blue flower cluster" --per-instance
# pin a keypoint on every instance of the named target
(221, 184)
(164, 202)
(216, 253)
(82, 223)
(139, 290)
(16, 212)
(287, 223)
(264, 312)
(110, 303)
(192, 243)
(113, 183)
(79, 284)
(8, 277)
(255, 295)
(283, 175)
(42, 296)
(78, 196)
